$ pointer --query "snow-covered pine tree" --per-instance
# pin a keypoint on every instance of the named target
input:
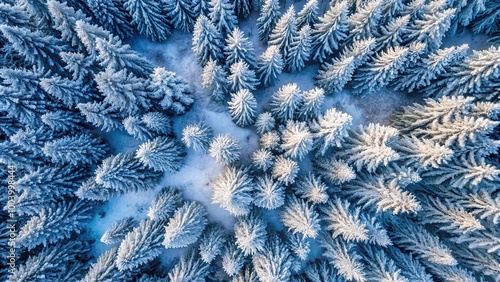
(185, 226)
(421, 153)
(330, 129)
(88, 33)
(321, 272)
(222, 15)
(34, 47)
(148, 18)
(299, 50)
(13, 15)
(64, 19)
(270, 66)
(246, 275)
(79, 65)
(269, 15)
(392, 34)
(270, 141)
(164, 204)
(284, 32)
(242, 8)
(123, 90)
(123, 173)
(285, 170)
(308, 15)
(411, 268)
(274, 263)
(368, 146)
(241, 77)
(243, 107)
(34, 140)
(171, 91)
(233, 190)
(300, 217)
(364, 22)
(69, 92)
(148, 126)
(141, 245)
(239, 48)
(181, 14)
(117, 231)
(297, 140)
(233, 258)
(330, 31)
(104, 268)
(344, 221)
(268, 194)
(311, 188)
(77, 149)
(162, 154)
(262, 159)
(285, 103)
(211, 242)
(207, 41)
(53, 224)
(225, 149)
(431, 29)
(197, 136)
(380, 266)
(265, 122)
(250, 233)
(189, 268)
(112, 16)
(214, 80)
(430, 68)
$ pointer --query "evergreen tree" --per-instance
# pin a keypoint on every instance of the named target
(171, 91)
(182, 14)
(321, 272)
(364, 22)
(90, 190)
(286, 102)
(79, 149)
(123, 173)
(268, 18)
(308, 16)
(344, 221)
(297, 140)
(211, 242)
(241, 77)
(313, 100)
(224, 149)
(274, 263)
(118, 230)
(411, 268)
(112, 16)
(330, 129)
(250, 233)
(13, 15)
(222, 15)
(239, 48)
(164, 204)
(265, 122)
(214, 80)
(380, 266)
(300, 217)
(88, 34)
(243, 107)
(70, 92)
(284, 32)
(269, 194)
(262, 159)
(270, 66)
(162, 154)
(64, 20)
(189, 268)
(34, 47)
(232, 190)
(207, 41)
(233, 258)
(33, 140)
(242, 8)
(299, 246)
(329, 32)
(393, 33)
(141, 245)
(79, 65)
(431, 29)
(35, 9)
(53, 224)
(104, 269)
(148, 126)
(197, 136)
(148, 18)
(270, 140)
(300, 50)
(285, 170)
(185, 226)
(246, 275)
(335, 170)
(312, 189)
(422, 153)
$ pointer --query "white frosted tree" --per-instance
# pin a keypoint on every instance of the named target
(311, 188)
(225, 149)
(243, 107)
(112, 16)
(101, 115)
(432, 28)
(392, 34)
(185, 226)
(250, 233)
(214, 80)
(104, 268)
(242, 8)
(241, 77)
(77, 149)
(364, 22)
(380, 266)
(344, 221)
(114, 55)
(265, 122)
(148, 18)
(330, 129)
(422, 153)
(308, 16)
(148, 126)
(239, 48)
(170, 92)
(268, 18)
(262, 159)
(330, 31)
(211, 242)
(285, 170)
(335, 170)
(285, 103)
(299, 50)
(270, 65)
(300, 217)
(164, 204)
(313, 100)
(64, 20)
(207, 41)
(118, 230)
(189, 268)
(268, 194)
(162, 154)
(270, 140)
(233, 190)
(197, 136)
(297, 140)
(222, 15)
(284, 32)
(274, 263)
(181, 14)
